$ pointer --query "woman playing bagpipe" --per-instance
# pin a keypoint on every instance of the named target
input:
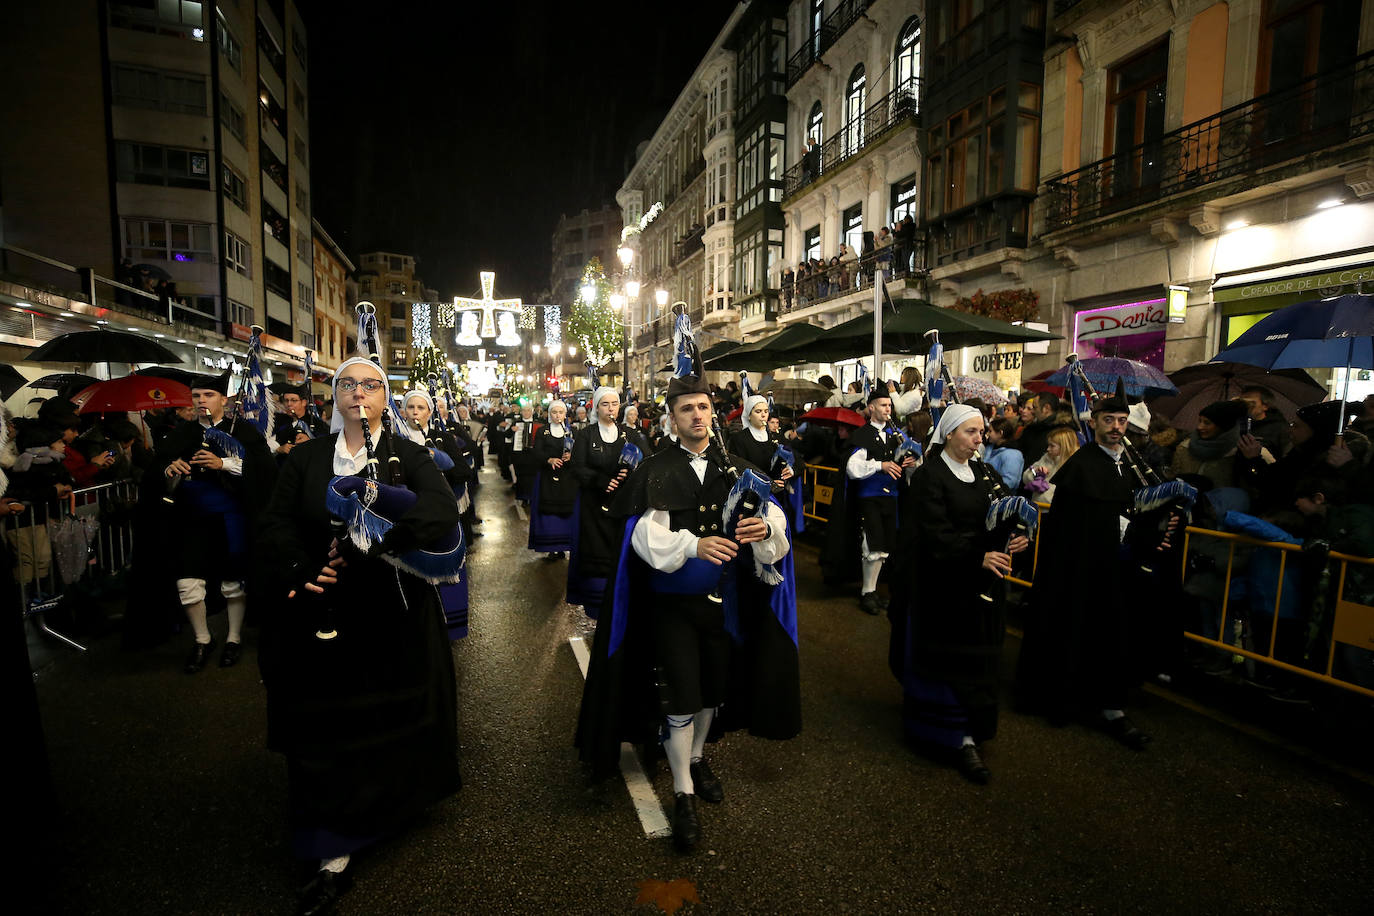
(216, 473)
(555, 489)
(360, 685)
(602, 456)
(424, 427)
(948, 600)
(764, 449)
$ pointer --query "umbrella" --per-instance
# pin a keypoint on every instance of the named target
(985, 391)
(1141, 379)
(1323, 333)
(102, 347)
(64, 381)
(904, 332)
(1205, 383)
(1041, 383)
(769, 352)
(796, 391)
(10, 381)
(133, 392)
(833, 416)
(171, 372)
(717, 349)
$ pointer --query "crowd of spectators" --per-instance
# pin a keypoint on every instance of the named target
(891, 249)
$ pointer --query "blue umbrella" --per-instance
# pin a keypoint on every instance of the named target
(1141, 379)
(1323, 333)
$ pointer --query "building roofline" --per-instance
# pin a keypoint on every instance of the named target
(333, 246)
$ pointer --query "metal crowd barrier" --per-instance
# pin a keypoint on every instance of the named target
(1345, 635)
(54, 545)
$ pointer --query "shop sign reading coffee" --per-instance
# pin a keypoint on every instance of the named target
(996, 362)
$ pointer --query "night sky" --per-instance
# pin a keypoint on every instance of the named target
(459, 134)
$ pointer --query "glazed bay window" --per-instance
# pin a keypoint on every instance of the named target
(168, 240)
(238, 313)
(811, 243)
(229, 46)
(163, 90)
(231, 116)
(238, 257)
(145, 163)
(233, 185)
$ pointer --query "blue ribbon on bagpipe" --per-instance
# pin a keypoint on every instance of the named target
(1015, 509)
(907, 448)
(935, 383)
(684, 346)
(1171, 492)
(441, 458)
(225, 444)
(695, 578)
(630, 455)
(1078, 396)
(793, 508)
(370, 510)
(253, 405)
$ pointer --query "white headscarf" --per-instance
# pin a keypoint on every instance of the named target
(750, 403)
(600, 393)
(336, 422)
(954, 416)
(415, 435)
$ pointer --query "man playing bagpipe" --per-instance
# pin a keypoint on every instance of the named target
(1076, 658)
(761, 444)
(299, 423)
(218, 473)
(700, 613)
(874, 469)
(361, 695)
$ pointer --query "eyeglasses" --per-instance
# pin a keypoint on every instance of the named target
(370, 385)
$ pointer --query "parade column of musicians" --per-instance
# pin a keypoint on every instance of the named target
(690, 624)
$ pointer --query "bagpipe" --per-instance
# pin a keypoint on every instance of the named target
(1153, 493)
(1008, 515)
(213, 440)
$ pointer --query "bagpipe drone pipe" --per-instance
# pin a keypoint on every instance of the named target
(213, 440)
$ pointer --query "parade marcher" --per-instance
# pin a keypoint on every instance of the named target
(297, 420)
(876, 476)
(219, 472)
(760, 447)
(554, 494)
(597, 467)
(1076, 658)
(690, 612)
(361, 694)
(948, 601)
(524, 463)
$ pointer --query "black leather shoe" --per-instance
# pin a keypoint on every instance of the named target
(323, 891)
(686, 827)
(708, 787)
(230, 656)
(1125, 731)
(971, 765)
(868, 603)
(200, 654)
(882, 601)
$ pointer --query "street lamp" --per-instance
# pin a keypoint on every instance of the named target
(626, 255)
(661, 297)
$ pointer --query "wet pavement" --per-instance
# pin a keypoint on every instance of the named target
(169, 803)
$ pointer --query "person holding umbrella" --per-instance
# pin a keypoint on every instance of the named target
(1266, 422)
(1315, 452)
(219, 473)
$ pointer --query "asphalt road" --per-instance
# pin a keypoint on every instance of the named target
(169, 803)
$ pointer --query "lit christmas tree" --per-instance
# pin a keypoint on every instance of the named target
(593, 324)
(428, 360)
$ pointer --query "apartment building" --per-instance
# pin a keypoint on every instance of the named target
(388, 280)
(335, 318)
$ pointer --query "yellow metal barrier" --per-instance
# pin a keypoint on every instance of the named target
(818, 495)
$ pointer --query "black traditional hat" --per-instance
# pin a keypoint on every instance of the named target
(218, 383)
(284, 388)
(686, 384)
(879, 391)
(1116, 403)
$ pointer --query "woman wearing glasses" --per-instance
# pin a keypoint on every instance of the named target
(366, 718)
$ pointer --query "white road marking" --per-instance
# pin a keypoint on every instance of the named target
(651, 816)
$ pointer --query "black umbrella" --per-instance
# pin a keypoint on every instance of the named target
(152, 270)
(169, 372)
(768, 353)
(10, 381)
(70, 382)
(102, 347)
(1204, 383)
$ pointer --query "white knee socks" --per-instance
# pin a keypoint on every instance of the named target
(678, 748)
(701, 725)
(871, 570)
(196, 614)
(235, 609)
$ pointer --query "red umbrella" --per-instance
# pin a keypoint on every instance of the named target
(833, 416)
(133, 392)
(1038, 383)
(734, 414)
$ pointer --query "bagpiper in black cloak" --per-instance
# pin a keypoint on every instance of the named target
(218, 473)
(366, 719)
(554, 494)
(596, 465)
(683, 632)
(1076, 655)
(948, 607)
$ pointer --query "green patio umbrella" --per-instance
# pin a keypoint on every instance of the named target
(762, 355)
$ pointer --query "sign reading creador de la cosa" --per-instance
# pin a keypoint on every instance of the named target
(1283, 291)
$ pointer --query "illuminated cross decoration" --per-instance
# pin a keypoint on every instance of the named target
(481, 373)
(488, 307)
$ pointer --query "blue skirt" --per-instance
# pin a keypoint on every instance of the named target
(934, 712)
(550, 533)
(453, 597)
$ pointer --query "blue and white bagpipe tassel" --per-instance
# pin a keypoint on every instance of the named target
(865, 381)
(369, 510)
(253, 405)
(740, 504)
(593, 377)
(935, 382)
(1082, 408)
(630, 455)
(568, 444)
(311, 410)
(745, 389)
(782, 458)
(1017, 510)
(1177, 493)
(225, 444)
(906, 448)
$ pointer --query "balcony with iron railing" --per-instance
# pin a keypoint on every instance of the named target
(832, 28)
(688, 245)
(898, 108)
(1231, 151)
(830, 282)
